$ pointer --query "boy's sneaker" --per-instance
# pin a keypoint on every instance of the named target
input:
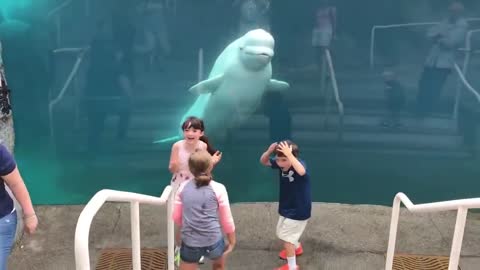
(202, 260)
(298, 252)
(286, 267)
(176, 257)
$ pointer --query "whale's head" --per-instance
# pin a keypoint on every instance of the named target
(256, 49)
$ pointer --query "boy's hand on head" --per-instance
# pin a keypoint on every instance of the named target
(272, 147)
(285, 148)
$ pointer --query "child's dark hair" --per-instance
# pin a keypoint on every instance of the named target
(295, 150)
(197, 123)
(200, 164)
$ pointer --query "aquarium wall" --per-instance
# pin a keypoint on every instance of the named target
(379, 95)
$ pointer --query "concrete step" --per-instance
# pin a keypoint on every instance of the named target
(302, 119)
(142, 140)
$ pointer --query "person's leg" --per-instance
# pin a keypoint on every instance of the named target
(215, 253)
(467, 128)
(291, 258)
(188, 266)
(439, 77)
(124, 118)
(423, 88)
(96, 123)
(388, 120)
(290, 231)
(219, 264)
(189, 257)
(8, 225)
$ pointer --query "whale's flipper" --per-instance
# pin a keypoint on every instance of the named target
(167, 140)
(207, 86)
(277, 85)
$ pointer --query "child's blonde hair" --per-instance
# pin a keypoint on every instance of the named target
(200, 164)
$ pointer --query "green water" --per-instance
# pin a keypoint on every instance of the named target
(58, 170)
(372, 179)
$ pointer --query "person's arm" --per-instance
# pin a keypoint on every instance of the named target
(173, 164)
(15, 182)
(434, 33)
(296, 164)
(216, 157)
(178, 206)
(334, 21)
(125, 84)
(232, 241)
(225, 215)
(265, 158)
(454, 38)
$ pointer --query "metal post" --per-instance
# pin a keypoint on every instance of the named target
(466, 63)
(393, 234)
(58, 26)
(459, 88)
(458, 238)
(135, 223)
(87, 8)
(76, 92)
(323, 74)
(336, 93)
(200, 64)
(372, 47)
(52, 127)
(171, 229)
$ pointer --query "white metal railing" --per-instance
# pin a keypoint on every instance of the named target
(464, 82)
(82, 231)
(336, 92)
(464, 70)
(56, 14)
(461, 206)
(403, 25)
(76, 67)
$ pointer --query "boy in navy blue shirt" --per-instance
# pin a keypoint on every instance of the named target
(295, 203)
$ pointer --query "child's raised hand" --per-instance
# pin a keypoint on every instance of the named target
(285, 148)
(272, 147)
(216, 157)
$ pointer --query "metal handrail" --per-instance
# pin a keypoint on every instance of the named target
(402, 25)
(82, 231)
(461, 206)
(67, 83)
(463, 73)
(58, 21)
(466, 83)
(57, 9)
(336, 93)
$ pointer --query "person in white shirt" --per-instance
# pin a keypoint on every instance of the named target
(446, 37)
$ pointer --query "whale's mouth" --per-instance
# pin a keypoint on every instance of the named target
(259, 52)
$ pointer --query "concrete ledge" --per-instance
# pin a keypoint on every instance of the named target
(337, 236)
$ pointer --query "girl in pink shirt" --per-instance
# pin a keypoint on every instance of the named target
(194, 140)
(202, 211)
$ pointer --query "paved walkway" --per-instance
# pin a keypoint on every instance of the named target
(338, 237)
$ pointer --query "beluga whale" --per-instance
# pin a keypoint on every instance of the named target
(233, 91)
